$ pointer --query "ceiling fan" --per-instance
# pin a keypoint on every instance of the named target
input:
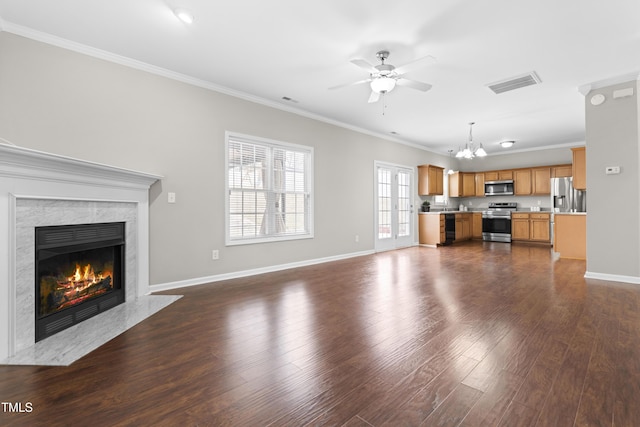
(384, 77)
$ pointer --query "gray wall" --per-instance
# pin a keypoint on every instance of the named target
(63, 102)
(613, 224)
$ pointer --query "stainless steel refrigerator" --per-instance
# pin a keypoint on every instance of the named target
(565, 198)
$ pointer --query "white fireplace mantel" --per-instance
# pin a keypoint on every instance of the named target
(27, 174)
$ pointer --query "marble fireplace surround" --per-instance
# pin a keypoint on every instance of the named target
(40, 189)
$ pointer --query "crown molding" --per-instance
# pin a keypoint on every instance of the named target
(163, 72)
(629, 77)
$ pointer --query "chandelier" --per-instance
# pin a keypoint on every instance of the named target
(469, 151)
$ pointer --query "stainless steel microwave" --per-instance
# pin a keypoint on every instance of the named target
(498, 188)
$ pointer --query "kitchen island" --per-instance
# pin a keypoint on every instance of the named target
(570, 234)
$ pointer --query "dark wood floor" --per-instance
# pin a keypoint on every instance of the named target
(477, 334)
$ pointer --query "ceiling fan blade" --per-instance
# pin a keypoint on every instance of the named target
(350, 84)
(364, 65)
(413, 84)
(415, 63)
(374, 97)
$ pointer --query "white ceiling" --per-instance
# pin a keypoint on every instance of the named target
(267, 50)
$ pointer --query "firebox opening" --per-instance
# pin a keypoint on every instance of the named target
(79, 273)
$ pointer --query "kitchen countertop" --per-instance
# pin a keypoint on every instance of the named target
(480, 211)
(569, 213)
(446, 212)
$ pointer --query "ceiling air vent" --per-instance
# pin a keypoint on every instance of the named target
(515, 83)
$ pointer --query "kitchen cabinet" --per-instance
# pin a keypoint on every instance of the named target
(476, 225)
(498, 175)
(579, 168)
(479, 178)
(468, 184)
(491, 176)
(519, 226)
(531, 227)
(522, 182)
(540, 227)
(562, 171)
(462, 184)
(431, 229)
(541, 181)
(506, 174)
(463, 226)
(570, 235)
(430, 180)
(527, 181)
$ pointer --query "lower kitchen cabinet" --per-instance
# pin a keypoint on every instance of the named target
(463, 226)
(431, 229)
(519, 226)
(540, 224)
(476, 225)
(531, 227)
(570, 235)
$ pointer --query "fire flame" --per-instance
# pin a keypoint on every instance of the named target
(85, 275)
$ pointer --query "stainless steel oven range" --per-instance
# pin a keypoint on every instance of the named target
(496, 222)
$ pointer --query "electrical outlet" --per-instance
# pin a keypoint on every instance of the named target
(215, 254)
(357, 238)
(171, 197)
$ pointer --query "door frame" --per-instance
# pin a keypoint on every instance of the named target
(394, 242)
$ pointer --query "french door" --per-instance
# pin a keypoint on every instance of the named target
(394, 220)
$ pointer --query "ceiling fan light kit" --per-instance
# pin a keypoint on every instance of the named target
(383, 78)
(383, 84)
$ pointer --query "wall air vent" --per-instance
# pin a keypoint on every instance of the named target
(515, 83)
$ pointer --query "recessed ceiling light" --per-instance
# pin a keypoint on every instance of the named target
(184, 15)
(507, 144)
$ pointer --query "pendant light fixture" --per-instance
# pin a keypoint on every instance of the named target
(450, 171)
(469, 151)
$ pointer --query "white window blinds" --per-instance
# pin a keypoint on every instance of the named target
(268, 190)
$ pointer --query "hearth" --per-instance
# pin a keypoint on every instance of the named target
(79, 273)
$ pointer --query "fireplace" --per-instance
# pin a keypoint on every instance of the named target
(79, 273)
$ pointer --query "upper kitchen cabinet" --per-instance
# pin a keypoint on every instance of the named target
(430, 180)
(561, 171)
(579, 168)
(541, 180)
(522, 182)
(498, 175)
(479, 184)
(462, 184)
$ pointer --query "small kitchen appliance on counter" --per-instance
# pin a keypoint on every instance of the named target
(496, 222)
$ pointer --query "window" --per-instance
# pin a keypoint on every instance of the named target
(269, 195)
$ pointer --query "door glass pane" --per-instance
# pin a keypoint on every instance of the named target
(384, 203)
(404, 204)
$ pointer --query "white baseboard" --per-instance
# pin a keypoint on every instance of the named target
(245, 273)
(612, 277)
